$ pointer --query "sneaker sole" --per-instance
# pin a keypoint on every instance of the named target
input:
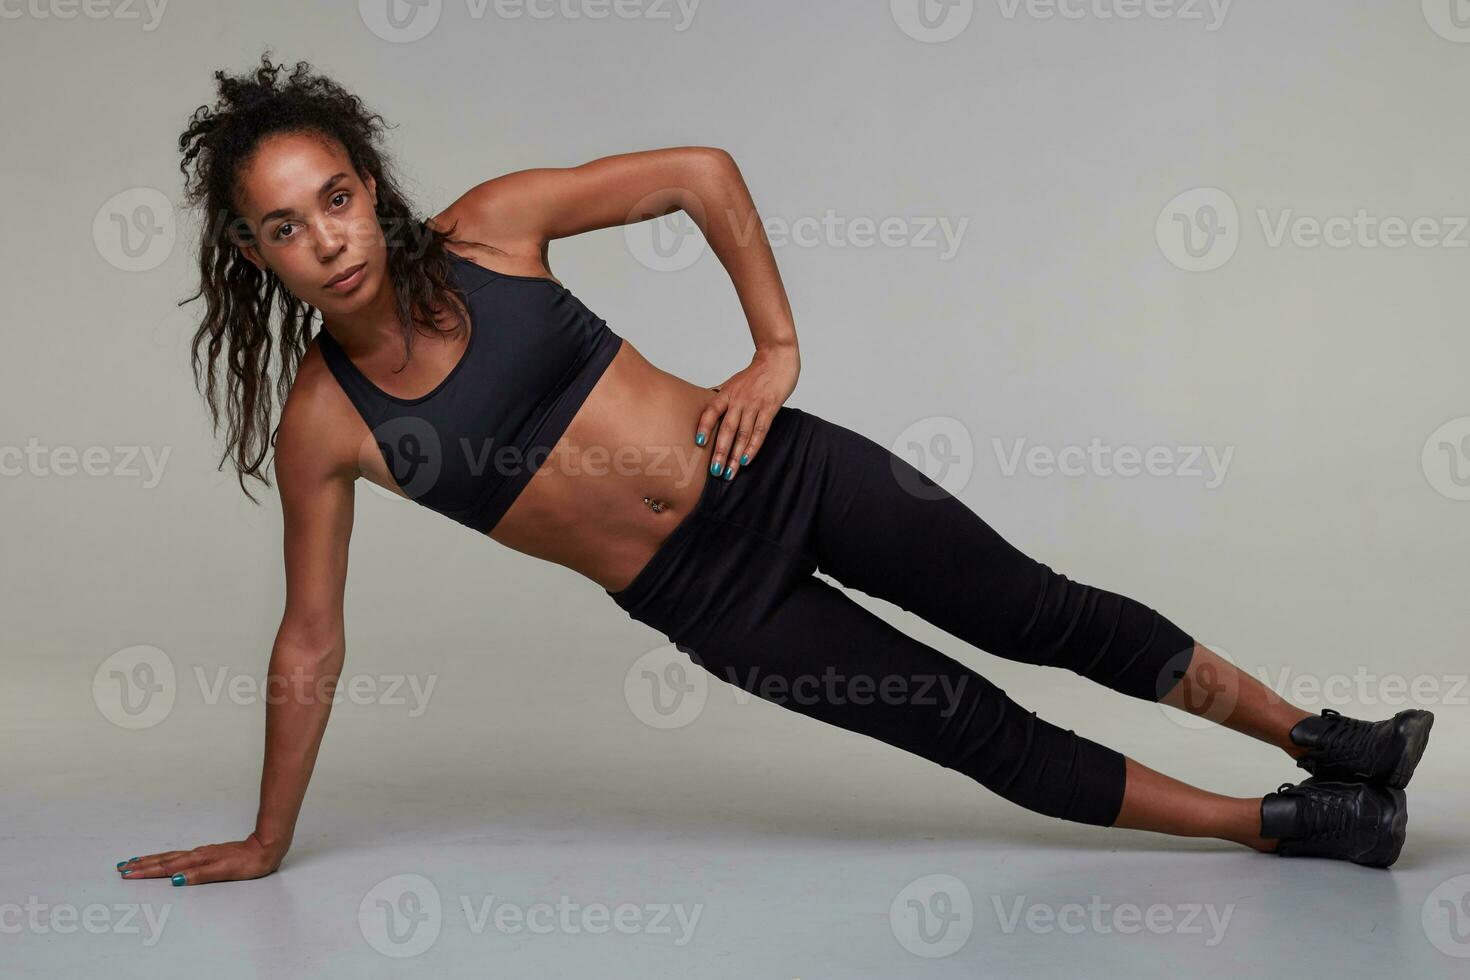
(1414, 728)
(1388, 850)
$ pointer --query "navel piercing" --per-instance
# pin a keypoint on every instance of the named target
(656, 505)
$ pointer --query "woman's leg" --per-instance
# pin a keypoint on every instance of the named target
(1153, 801)
(815, 650)
(1216, 689)
(886, 529)
(822, 654)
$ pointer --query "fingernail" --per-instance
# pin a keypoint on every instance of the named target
(699, 439)
(744, 458)
(128, 861)
(715, 468)
(178, 879)
(730, 473)
(126, 872)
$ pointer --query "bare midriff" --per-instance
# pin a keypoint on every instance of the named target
(632, 438)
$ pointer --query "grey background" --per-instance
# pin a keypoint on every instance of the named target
(1330, 549)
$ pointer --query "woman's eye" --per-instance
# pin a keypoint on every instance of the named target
(335, 197)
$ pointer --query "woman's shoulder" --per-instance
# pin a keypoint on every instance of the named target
(479, 240)
(319, 427)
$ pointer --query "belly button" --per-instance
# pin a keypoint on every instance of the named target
(655, 505)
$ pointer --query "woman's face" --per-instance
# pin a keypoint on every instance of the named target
(313, 220)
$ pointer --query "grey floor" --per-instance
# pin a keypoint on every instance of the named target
(559, 835)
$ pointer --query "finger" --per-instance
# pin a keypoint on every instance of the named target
(758, 431)
(220, 869)
(171, 866)
(723, 440)
(742, 438)
(753, 429)
(132, 866)
(708, 418)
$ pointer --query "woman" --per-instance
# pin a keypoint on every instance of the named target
(453, 368)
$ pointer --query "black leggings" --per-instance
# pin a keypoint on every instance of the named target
(733, 587)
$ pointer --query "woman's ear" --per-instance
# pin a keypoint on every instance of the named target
(252, 256)
(244, 243)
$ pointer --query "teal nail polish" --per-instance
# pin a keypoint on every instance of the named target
(744, 458)
(126, 872)
(128, 861)
(730, 473)
(699, 439)
(714, 468)
(178, 879)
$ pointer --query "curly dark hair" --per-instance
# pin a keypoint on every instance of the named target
(232, 349)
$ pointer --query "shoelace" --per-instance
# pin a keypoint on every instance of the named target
(1347, 737)
(1322, 815)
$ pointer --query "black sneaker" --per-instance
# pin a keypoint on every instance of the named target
(1349, 750)
(1359, 822)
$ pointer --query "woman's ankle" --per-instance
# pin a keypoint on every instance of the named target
(1289, 724)
(1247, 828)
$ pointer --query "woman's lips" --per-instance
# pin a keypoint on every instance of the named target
(352, 279)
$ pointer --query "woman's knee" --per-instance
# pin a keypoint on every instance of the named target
(1102, 635)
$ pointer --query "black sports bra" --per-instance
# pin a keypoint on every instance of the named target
(467, 448)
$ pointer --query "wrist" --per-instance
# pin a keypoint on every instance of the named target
(778, 350)
(274, 844)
